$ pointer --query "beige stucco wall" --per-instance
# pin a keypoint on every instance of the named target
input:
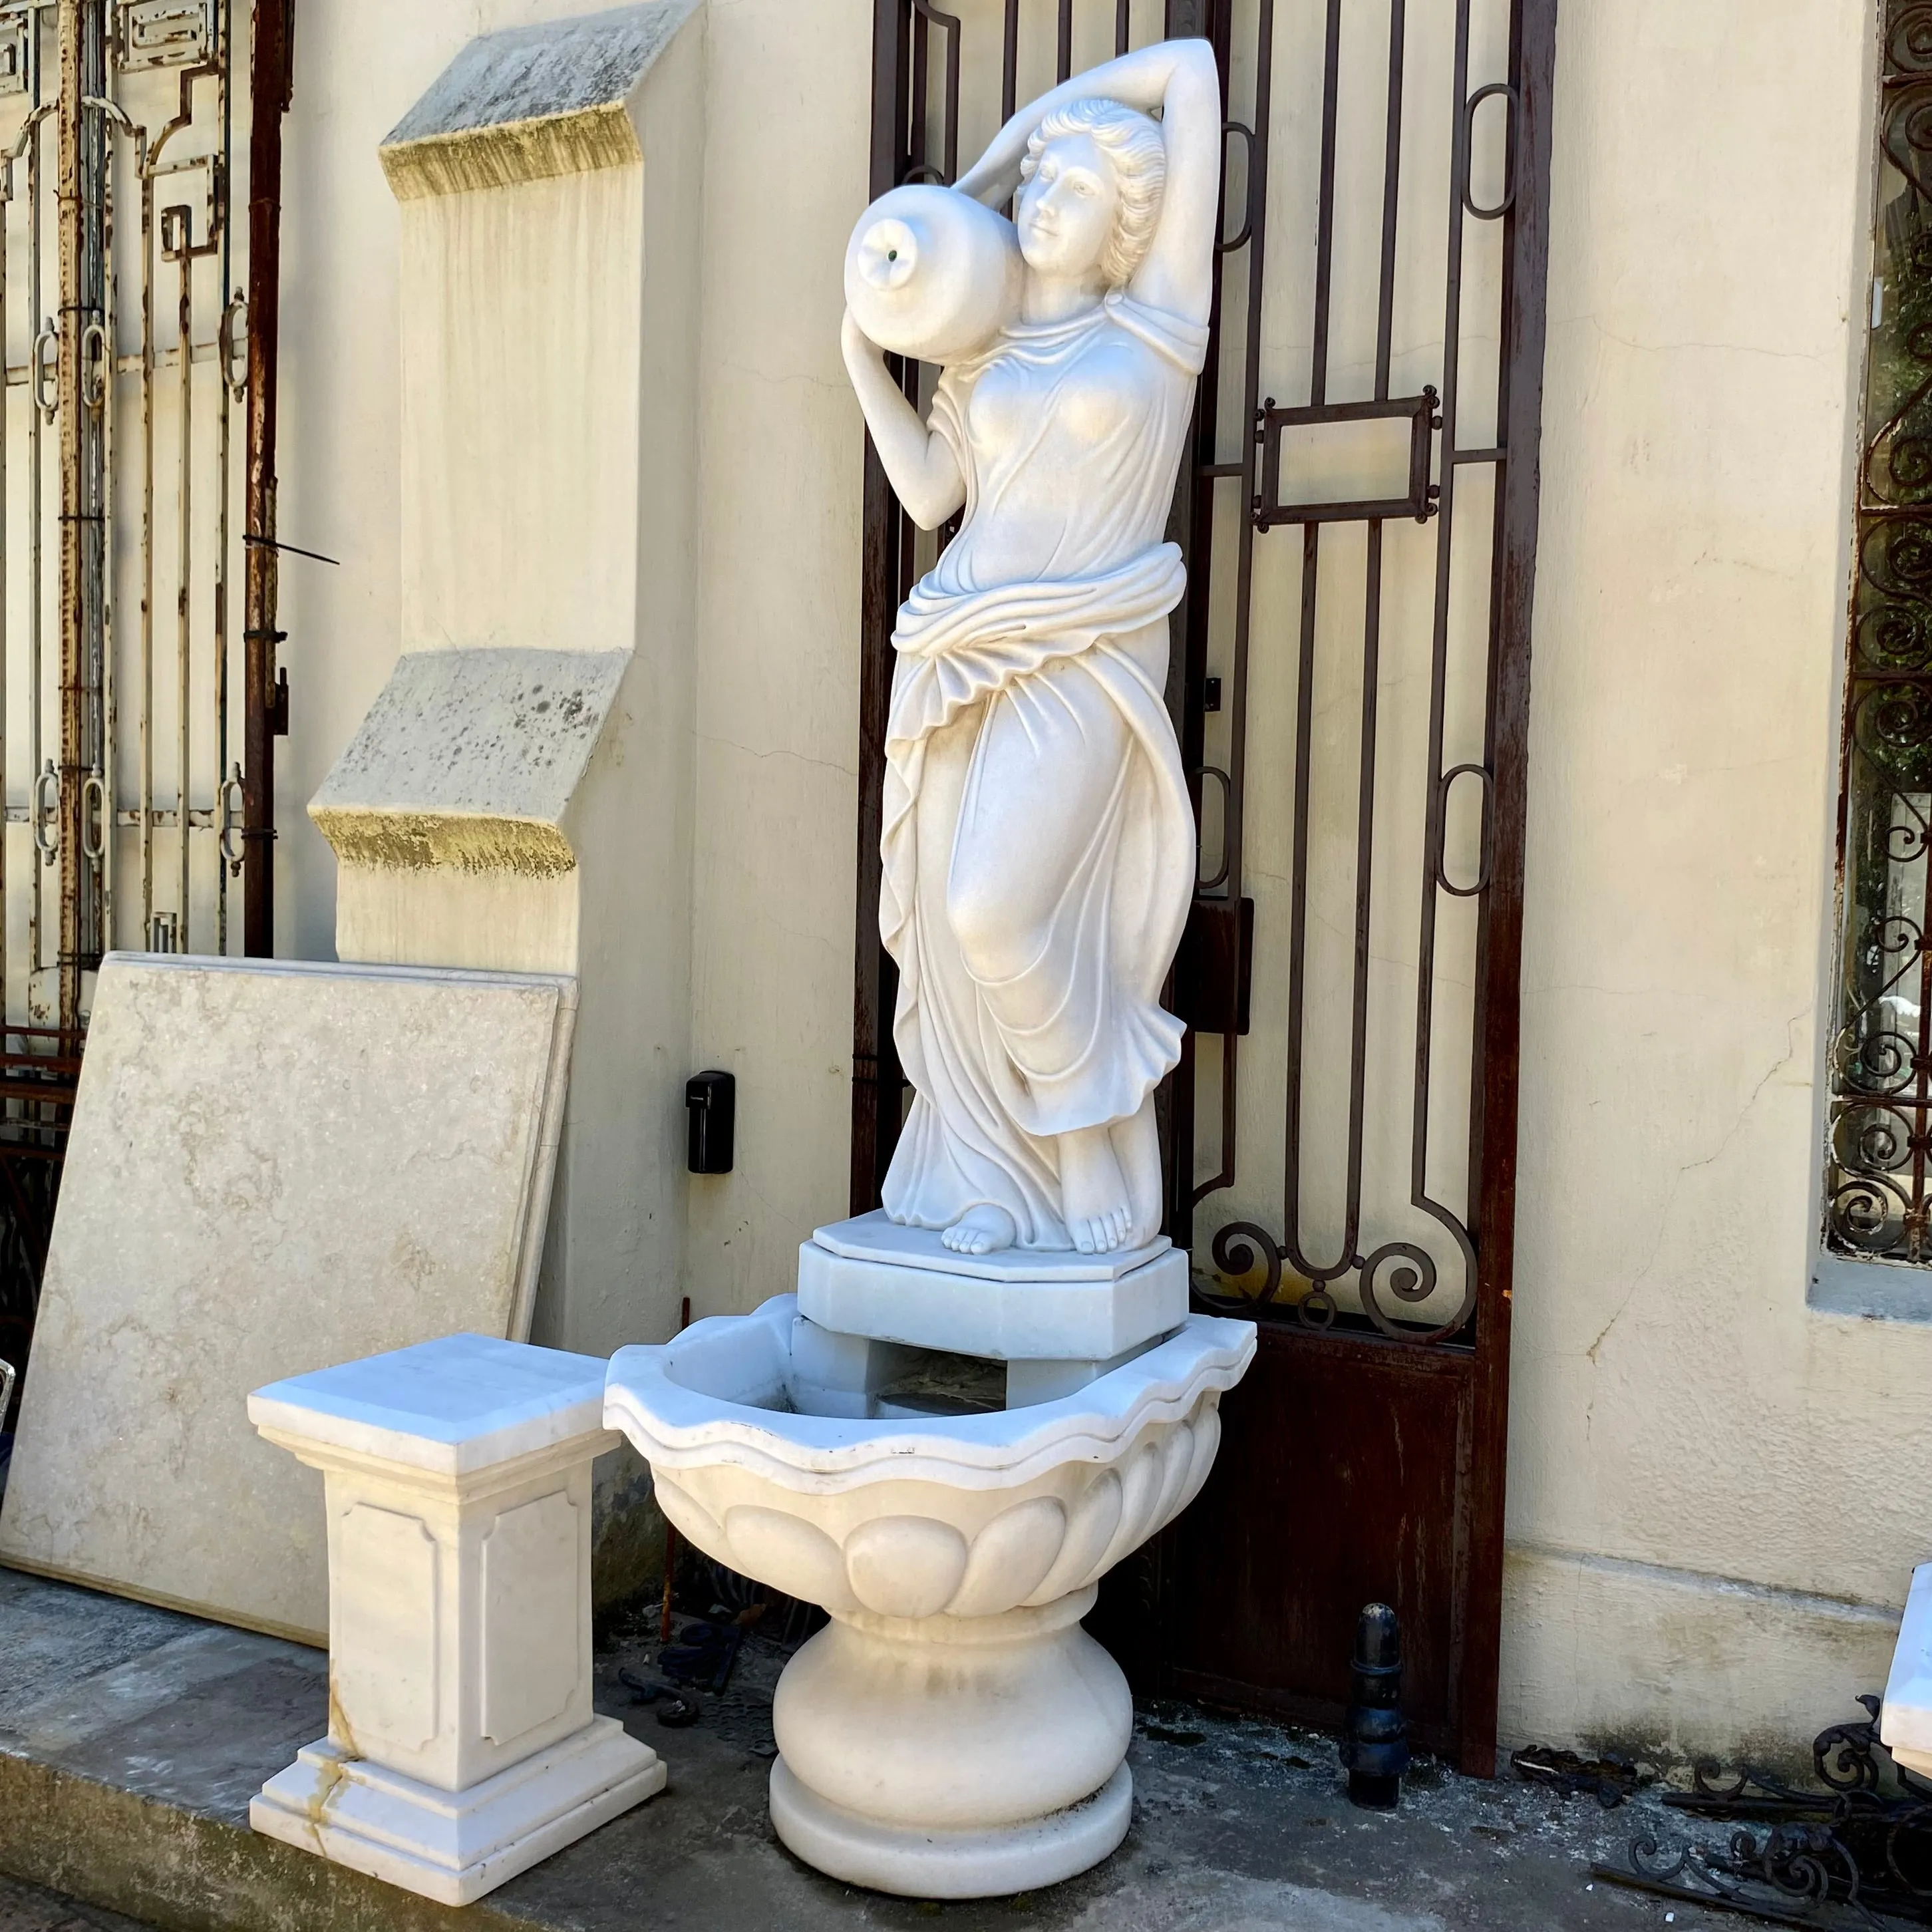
(1676, 1403)
(775, 648)
(1716, 1492)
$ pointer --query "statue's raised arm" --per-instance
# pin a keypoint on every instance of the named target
(1179, 80)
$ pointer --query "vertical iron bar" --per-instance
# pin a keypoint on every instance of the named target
(876, 1075)
(1200, 482)
(183, 571)
(102, 759)
(1304, 728)
(6, 554)
(1324, 209)
(270, 80)
(1372, 603)
(1244, 556)
(36, 544)
(71, 205)
(96, 197)
(1391, 197)
(1010, 63)
(1063, 55)
(920, 36)
(1123, 25)
(1498, 1016)
(952, 32)
(224, 202)
(1431, 842)
(146, 748)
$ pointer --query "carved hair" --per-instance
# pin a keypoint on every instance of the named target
(1131, 141)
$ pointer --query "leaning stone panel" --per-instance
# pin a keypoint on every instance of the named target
(273, 1168)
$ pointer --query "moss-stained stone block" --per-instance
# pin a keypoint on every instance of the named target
(468, 759)
(531, 102)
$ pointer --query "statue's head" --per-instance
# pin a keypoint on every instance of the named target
(1089, 193)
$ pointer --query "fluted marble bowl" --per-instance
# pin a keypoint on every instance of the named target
(963, 1516)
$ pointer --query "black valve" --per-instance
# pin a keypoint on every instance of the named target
(711, 1100)
(1375, 1746)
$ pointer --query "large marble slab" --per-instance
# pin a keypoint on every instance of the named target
(274, 1167)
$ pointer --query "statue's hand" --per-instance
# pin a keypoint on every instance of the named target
(856, 345)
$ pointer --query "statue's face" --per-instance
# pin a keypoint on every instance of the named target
(1065, 214)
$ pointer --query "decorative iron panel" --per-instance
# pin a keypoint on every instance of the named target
(1876, 1203)
(1340, 1133)
(1409, 128)
(136, 501)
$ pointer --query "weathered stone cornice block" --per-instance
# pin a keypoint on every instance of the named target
(468, 759)
(531, 103)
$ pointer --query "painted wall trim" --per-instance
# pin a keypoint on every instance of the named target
(1874, 1291)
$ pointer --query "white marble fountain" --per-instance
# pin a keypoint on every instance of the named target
(953, 1732)
(984, 1396)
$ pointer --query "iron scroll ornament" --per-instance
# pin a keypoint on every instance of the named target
(1240, 1247)
(1908, 48)
(1838, 1857)
(1877, 1195)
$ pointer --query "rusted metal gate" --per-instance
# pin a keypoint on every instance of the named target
(139, 208)
(1350, 683)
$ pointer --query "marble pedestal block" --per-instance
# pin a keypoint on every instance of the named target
(1905, 1724)
(462, 1747)
(1068, 1317)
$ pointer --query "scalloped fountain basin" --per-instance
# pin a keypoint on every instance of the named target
(952, 1733)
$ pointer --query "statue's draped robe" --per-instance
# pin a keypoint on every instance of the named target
(1040, 631)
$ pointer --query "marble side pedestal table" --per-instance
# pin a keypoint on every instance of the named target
(462, 1747)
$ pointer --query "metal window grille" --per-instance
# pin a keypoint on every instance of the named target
(1877, 1204)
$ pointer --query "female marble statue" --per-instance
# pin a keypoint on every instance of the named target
(1038, 842)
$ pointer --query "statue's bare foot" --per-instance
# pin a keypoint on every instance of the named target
(1093, 1199)
(981, 1231)
(1137, 1148)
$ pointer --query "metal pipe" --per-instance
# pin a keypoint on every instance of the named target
(270, 80)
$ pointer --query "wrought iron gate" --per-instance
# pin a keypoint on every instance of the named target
(139, 692)
(1350, 682)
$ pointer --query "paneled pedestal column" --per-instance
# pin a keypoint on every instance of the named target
(462, 1747)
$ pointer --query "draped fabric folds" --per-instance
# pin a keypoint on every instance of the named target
(1038, 842)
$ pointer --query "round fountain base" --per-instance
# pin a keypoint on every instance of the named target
(953, 1757)
(920, 1862)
